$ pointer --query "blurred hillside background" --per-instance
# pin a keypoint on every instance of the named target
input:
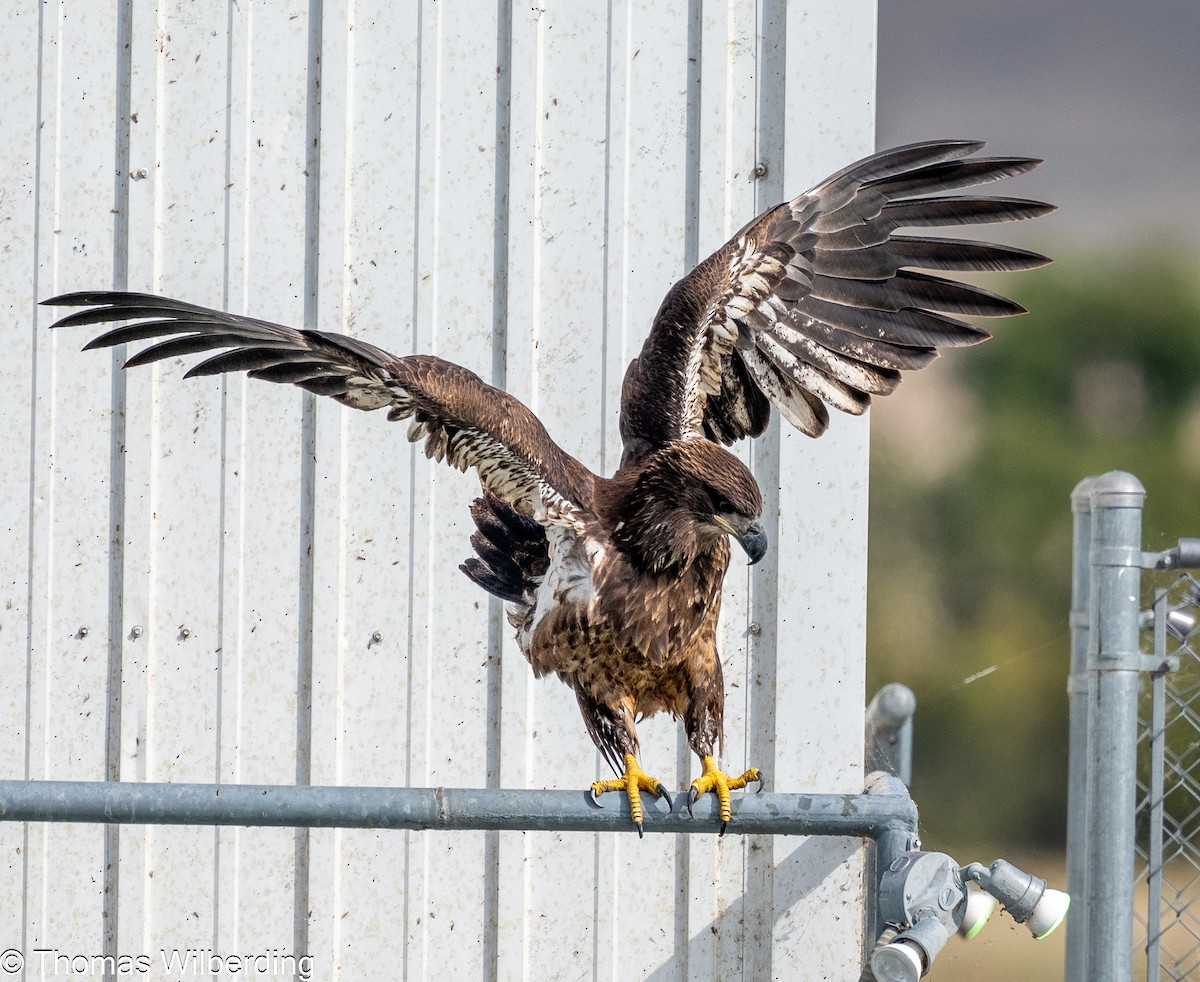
(973, 463)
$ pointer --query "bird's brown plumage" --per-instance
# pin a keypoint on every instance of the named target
(614, 584)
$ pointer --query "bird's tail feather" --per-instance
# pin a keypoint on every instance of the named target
(512, 552)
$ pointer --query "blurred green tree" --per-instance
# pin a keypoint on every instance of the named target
(969, 583)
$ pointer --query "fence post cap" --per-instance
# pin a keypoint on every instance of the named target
(893, 705)
(1117, 489)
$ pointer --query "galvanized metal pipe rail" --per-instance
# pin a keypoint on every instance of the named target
(889, 815)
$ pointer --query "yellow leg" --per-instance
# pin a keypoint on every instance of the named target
(633, 782)
(716, 780)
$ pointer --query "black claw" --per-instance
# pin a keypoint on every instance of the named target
(760, 784)
(693, 797)
(595, 797)
(662, 793)
(641, 831)
(724, 826)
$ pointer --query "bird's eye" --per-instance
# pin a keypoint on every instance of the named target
(722, 504)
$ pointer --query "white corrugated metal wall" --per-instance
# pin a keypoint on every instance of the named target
(222, 581)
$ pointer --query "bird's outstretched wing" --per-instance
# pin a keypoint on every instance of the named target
(460, 418)
(816, 302)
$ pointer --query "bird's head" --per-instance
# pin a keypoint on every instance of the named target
(683, 499)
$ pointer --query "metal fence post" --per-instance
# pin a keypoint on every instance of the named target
(1077, 691)
(1114, 664)
(889, 731)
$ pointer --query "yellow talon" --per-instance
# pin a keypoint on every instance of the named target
(633, 782)
(716, 780)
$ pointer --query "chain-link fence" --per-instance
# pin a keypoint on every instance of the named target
(1168, 808)
(1133, 801)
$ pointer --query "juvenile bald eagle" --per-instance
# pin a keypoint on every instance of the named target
(614, 583)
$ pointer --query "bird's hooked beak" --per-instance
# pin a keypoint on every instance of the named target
(751, 535)
(754, 540)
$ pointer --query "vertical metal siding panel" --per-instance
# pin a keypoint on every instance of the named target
(555, 363)
(517, 688)
(135, 860)
(362, 719)
(717, 890)
(266, 74)
(70, 462)
(648, 224)
(335, 855)
(521, 696)
(610, 323)
(24, 212)
(424, 509)
(819, 692)
(175, 447)
(764, 582)
(450, 650)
